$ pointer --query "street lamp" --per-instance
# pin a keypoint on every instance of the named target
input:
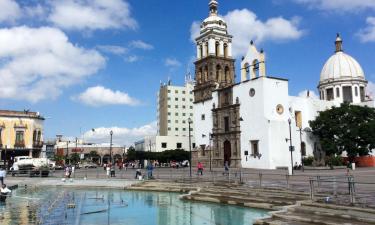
(110, 148)
(67, 152)
(290, 143)
(210, 139)
(190, 121)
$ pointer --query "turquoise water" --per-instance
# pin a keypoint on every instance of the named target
(102, 206)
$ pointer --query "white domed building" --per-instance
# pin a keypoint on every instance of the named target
(254, 123)
(342, 78)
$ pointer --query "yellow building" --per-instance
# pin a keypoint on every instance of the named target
(21, 133)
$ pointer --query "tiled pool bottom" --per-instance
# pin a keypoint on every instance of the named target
(60, 206)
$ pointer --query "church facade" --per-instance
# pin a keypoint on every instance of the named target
(255, 123)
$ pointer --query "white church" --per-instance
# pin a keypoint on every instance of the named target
(253, 123)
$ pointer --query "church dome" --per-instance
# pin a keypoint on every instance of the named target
(214, 21)
(341, 66)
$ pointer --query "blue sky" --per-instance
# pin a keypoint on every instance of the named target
(98, 63)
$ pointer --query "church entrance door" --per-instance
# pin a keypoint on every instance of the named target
(227, 152)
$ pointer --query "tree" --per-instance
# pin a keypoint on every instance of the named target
(348, 128)
(74, 158)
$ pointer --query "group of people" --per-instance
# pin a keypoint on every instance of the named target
(110, 170)
(69, 170)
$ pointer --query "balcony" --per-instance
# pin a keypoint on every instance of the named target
(19, 144)
(37, 144)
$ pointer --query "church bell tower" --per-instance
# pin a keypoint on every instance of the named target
(214, 67)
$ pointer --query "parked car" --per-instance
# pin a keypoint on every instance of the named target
(89, 165)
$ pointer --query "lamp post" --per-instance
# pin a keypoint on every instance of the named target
(67, 152)
(210, 139)
(300, 138)
(290, 144)
(110, 147)
(190, 121)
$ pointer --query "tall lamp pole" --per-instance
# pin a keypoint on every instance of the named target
(210, 140)
(300, 138)
(190, 121)
(110, 148)
(67, 152)
(290, 143)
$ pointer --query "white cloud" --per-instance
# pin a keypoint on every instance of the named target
(9, 11)
(100, 96)
(172, 62)
(308, 94)
(339, 5)
(245, 26)
(113, 49)
(38, 63)
(141, 45)
(131, 59)
(195, 30)
(123, 136)
(368, 34)
(92, 14)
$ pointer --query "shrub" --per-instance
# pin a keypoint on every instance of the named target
(308, 161)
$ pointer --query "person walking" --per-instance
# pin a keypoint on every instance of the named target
(226, 168)
(2, 175)
(108, 170)
(200, 168)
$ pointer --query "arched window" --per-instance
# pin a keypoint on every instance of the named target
(199, 76)
(35, 136)
(225, 50)
(39, 136)
(218, 73)
(247, 70)
(207, 50)
(256, 68)
(227, 75)
(217, 48)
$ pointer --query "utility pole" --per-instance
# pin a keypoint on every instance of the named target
(290, 144)
(110, 147)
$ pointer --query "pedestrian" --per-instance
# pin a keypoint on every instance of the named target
(150, 168)
(108, 169)
(200, 168)
(2, 175)
(4, 192)
(226, 168)
(67, 174)
(138, 173)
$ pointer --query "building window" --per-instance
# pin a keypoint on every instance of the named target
(191, 107)
(183, 92)
(191, 100)
(356, 91)
(169, 121)
(298, 118)
(330, 94)
(169, 91)
(176, 114)
(254, 148)
(169, 114)
(164, 145)
(176, 106)
(176, 99)
(169, 106)
(183, 99)
(184, 114)
(169, 128)
(193, 145)
(226, 124)
(179, 145)
(203, 117)
(347, 94)
(337, 92)
(169, 98)
(176, 121)
(183, 121)
(19, 139)
(176, 92)
(183, 129)
(176, 129)
(191, 92)
(191, 114)
(184, 107)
